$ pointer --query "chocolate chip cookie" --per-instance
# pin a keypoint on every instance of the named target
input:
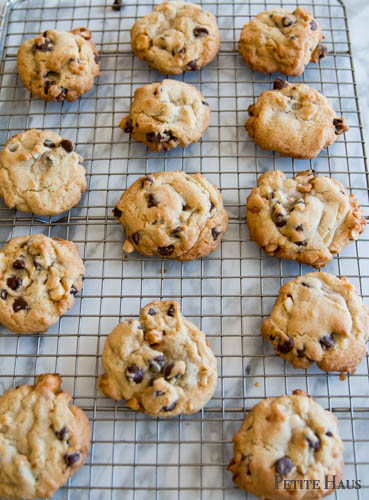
(282, 40)
(294, 120)
(41, 173)
(39, 277)
(176, 37)
(167, 114)
(287, 438)
(308, 218)
(161, 365)
(59, 65)
(44, 439)
(319, 318)
(172, 214)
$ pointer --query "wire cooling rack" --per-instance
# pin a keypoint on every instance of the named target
(226, 294)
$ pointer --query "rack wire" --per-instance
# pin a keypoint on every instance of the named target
(227, 294)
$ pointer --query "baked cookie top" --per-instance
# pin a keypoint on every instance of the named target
(167, 114)
(161, 365)
(39, 277)
(282, 40)
(41, 173)
(308, 218)
(319, 318)
(176, 37)
(172, 214)
(59, 65)
(43, 439)
(289, 437)
(294, 120)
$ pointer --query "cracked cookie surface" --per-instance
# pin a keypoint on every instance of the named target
(173, 215)
(308, 218)
(176, 37)
(39, 277)
(319, 318)
(59, 65)
(288, 437)
(161, 365)
(294, 120)
(44, 439)
(41, 173)
(282, 40)
(167, 114)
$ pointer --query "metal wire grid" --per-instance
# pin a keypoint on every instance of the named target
(227, 294)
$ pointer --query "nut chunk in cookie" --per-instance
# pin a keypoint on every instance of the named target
(176, 37)
(319, 318)
(59, 65)
(294, 120)
(41, 173)
(167, 114)
(287, 438)
(44, 439)
(282, 40)
(161, 364)
(172, 214)
(308, 218)
(39, 277)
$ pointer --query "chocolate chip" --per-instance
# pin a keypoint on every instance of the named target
(215, 233)
(300, 227)
(314, 444)
(200, 32)
(171, 311)
(71, 458)
(176, 231)
(287, 21)
(151, 201)
(323, 51)
(305, 284)
(148, 179)
(128, 127)
(301, 243)
(157, 363)
(170, 407)
(313, 25)
(205, 103)
(117, 213)
(13, 148)
(44, 34)
(49, 144)
(19, 304)
(182, 50)
(67, 145)
(63, 94)
(135, 237)
(134, 374)
(280, 222)
(286, 346)
(211, 206)
(279, 83)
(3, 294)
(73, 290)
(19, 264)
(186, 207)
(46, 46)
(327, 342)
(192, 66)
(71, 59)
(47, 86)
(328, 433)
(117, 5)
(97, 58)
(158, 393)
(338, 123)
(61, 434)
(301, 352)
(168, 371)
(153, 137)
(283, 466)
(14, 282)
(165, 251)
(151, 312)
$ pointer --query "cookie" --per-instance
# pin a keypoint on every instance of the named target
(167, 114)
(176, 37)
(172, 214)
(39, 277)
(294, 120)
(161, 365)
(59, 65)
(44, 439)
(287, 438)
(41, 173)
(319, 318)
(308, 218)
(282, 40)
